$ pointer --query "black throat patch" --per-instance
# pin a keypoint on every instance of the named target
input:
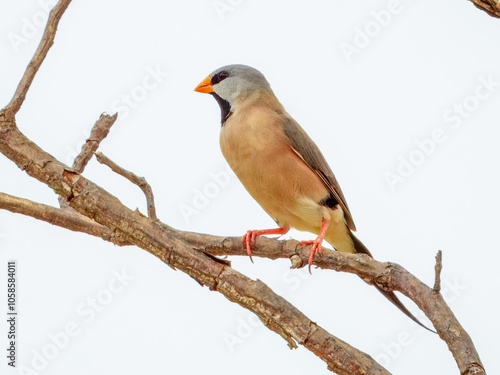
(225, 108)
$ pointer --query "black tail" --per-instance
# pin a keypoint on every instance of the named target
(389, 294)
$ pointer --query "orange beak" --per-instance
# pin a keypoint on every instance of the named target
(205, 86)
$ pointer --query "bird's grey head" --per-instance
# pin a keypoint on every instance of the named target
(231, 83)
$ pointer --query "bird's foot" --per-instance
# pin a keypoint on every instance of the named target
(250, 236)
(316, 244)
(249, 241)
(316, 247)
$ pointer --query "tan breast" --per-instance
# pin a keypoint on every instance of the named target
(258, 151)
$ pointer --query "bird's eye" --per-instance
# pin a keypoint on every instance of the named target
(219, 77)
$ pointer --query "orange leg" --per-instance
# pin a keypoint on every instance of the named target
(251, 235)
(316, 244)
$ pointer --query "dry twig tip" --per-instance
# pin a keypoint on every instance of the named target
(136, 180)
(437, 268)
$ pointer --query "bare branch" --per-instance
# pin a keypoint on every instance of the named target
(437, 270)
(65, 218)
(99, 131)
(43, 48)
(492, 7)
(389, 275)
(136, 180)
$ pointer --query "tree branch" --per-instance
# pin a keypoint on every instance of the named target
(437, 270)
(492, 7)
(99, 131)
(62, 217)
(388, 275)
(47, 41)
(136, 180)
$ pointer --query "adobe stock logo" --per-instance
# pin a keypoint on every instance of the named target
(139, 93)
(202, 196)
(245, 327)
(454, 117)
(221, 7)
(372, 29)
(32, 26)
(124, 105)
(59, 340)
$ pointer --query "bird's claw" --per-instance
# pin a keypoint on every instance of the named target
(316, 247)
(249, 241)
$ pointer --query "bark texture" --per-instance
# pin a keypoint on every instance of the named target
(492, 7)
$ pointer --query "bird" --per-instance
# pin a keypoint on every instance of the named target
(281, 166)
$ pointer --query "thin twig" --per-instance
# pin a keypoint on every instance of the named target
(99, 131)
(47, 41)
(437, 269)
(139, 181)
(62, 217)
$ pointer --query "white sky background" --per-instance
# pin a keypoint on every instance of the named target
(366, 115)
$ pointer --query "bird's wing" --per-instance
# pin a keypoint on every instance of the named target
(307, 150)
